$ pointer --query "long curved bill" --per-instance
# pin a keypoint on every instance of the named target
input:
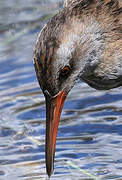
(54, 107)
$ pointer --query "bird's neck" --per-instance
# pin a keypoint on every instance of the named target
(91, 34)
(91, 44)
(101, 41)
(96, 33)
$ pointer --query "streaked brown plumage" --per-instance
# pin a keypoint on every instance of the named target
(83, 41)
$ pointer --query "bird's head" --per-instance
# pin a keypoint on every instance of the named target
(73, 45)
(55, 57)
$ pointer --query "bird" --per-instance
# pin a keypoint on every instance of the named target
(83, 41)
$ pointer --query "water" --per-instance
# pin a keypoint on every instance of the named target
(90, 132)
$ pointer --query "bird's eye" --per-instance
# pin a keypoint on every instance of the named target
(65, 71)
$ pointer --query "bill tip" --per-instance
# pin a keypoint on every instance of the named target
(49, 173)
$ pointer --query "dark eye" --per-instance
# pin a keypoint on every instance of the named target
(65, 71)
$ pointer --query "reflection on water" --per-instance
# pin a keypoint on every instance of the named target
(90, 132)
